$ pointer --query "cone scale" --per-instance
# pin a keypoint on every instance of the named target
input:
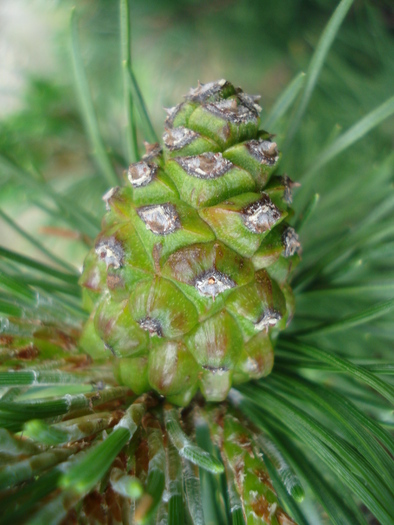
(187, 282)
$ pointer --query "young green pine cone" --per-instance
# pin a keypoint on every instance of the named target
(188, 280)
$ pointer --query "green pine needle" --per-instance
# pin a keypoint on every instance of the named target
(87, 108)
(316, 65)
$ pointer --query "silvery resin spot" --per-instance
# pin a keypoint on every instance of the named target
(261, 215)
(152, 326)
(229, 110)
(250, 101)
(160, 219)
(178, 138)
(205, 166)
(204, 91)
(107, 196)
(141, 173)
(264, 151)
(111, 251)
(291, 242)
(212, 282)
(269, 319)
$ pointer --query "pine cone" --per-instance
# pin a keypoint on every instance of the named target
(188, 279)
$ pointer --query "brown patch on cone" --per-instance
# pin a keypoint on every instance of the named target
(179, 262)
